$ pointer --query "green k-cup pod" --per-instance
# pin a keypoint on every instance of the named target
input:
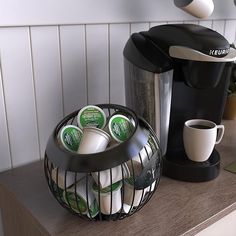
(93, 209)
(81, 198)
(58, 191)
(114, 187)
(120, 127)
(91, 116)
(76, 202)
(70, 137)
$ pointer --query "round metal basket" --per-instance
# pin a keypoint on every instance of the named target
(75, 179)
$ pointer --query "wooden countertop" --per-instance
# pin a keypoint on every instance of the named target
(177, 208)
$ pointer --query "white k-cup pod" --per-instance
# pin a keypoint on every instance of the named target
(70, 137)
(126, 208)
(140, 161)
(120, 128)
(150, 188)
(91, 116)
(132, 196)
(93, 140)
(65, 179)
(110, 176)
(80, 192)
(144, 155)
(110, 198)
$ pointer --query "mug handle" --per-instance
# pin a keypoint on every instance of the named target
(220, 134)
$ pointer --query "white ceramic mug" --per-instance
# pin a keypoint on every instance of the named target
(197, 8)
(200, 137)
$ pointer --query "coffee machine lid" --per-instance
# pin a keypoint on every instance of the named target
(155, 50)
(143, 53)
(192, 42)
(194, 55)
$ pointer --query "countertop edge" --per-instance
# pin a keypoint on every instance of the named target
(208, 222)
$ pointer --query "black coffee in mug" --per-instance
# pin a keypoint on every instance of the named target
(200, 137)
(200, 126)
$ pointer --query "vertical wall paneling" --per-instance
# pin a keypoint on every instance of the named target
(137, 27)
(175, 22)
(47, 72)
(5, 157)
(47, 75)
(206, 23)
(119, 34)
(219, 26)
(19, 94)
(230, 30)
(152, 24)
(97, 63)
(73, 67)
(195, 22)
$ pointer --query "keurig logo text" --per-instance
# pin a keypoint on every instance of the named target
(218, 52)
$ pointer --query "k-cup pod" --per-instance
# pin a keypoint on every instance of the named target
(70, 137)
(93, 140)
(81, 198)
(58, 191)
(135, 167)
(132, 196)
(150, 188)
(112, 144)
(65, 179)
(120, 128)
(110, 198)
(91, 116)
(126, 208)
(131, 119)
(110, 176)
(141, 160)
(144, 155)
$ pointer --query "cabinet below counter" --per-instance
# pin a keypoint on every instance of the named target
(176, 208)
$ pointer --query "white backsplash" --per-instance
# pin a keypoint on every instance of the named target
(49, 70)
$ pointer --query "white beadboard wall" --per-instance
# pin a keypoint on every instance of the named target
(49, 69)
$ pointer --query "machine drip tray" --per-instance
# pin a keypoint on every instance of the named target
(181, 168)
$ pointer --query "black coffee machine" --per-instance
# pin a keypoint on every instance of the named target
(174, 73)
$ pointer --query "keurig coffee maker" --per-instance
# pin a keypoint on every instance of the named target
(174, 73)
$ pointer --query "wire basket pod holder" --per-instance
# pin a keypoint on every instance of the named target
(108, 185)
